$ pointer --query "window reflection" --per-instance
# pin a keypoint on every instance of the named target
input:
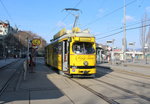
(83, 48)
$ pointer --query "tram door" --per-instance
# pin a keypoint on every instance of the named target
(65, 55)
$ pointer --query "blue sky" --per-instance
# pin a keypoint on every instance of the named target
(45, 17)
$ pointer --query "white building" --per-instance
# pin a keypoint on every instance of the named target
(4, 27)
(5, 30)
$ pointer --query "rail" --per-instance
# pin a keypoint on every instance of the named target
(110, 101)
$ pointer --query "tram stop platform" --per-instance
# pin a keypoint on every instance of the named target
(36, 88)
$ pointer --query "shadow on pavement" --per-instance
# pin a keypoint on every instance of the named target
(102, 71)
(37, 86)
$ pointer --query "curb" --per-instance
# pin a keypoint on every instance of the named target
(145, 66)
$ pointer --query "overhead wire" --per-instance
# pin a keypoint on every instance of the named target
(7, 12)
(133, 28)
(73, 7)
(66, 16)
(92, 22)
(121, 27)
(142, 1)
(102, 3)
(78, 3)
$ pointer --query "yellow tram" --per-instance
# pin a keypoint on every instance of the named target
(72, 52)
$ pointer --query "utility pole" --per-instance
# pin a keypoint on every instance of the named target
(124, 47)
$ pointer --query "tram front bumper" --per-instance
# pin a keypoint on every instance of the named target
(82, 71)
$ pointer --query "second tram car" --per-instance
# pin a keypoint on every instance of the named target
(72, 52)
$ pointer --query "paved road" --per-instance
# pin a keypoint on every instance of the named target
(45, 86)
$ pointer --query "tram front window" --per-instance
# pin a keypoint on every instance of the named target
(83, 48)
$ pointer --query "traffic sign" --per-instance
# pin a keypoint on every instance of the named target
(36, 42)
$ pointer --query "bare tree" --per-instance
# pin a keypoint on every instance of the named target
(145, 37)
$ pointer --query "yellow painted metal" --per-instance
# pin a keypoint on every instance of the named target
(55, 59)
(78, 60)
(86, 39)
(60, 33)
(81, 71)
(76, 38)
(76, 29)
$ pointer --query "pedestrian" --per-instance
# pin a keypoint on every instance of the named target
(31, 64)
(133, 57)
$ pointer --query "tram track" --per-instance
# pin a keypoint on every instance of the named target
(11, 77)
(7, 83)
(118, 70)
(124, 78)
(107, 99)
(133, 74)
(125, 90)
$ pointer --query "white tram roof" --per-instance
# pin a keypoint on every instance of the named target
(78, 34)
(71, 33)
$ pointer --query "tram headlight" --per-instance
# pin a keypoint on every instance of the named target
(85, 63)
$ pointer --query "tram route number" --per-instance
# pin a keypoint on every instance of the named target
(36, 42)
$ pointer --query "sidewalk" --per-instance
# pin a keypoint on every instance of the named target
(37, 88)
(4, 62)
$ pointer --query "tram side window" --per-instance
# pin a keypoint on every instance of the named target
(55, 48)
(59, 48)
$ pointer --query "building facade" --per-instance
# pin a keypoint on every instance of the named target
(4, 27)
(5, 31)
